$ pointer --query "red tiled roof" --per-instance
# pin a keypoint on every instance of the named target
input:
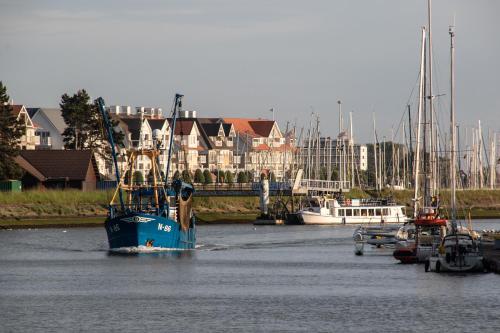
(16, 109)
(252, 127)
(262, 127)
(182, 126)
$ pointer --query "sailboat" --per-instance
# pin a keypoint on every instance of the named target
(458, 251)
(430, 227)
(153, 215)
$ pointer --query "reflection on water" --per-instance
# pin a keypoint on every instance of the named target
(240, 278)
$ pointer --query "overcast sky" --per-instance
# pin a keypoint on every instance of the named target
(240, 58)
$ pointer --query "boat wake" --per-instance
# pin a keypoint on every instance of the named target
(145, 249)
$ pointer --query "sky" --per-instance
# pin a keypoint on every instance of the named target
(235, 58)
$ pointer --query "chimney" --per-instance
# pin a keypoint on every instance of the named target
(114, 109)
(126, 109)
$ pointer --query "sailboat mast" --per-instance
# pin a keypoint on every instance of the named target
(452, 127)
(375, 153)
(419, 125)
(432, 129)
(351, 144)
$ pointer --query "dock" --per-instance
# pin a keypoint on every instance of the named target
(491, 253)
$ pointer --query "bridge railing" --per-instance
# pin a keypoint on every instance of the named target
(324, 185)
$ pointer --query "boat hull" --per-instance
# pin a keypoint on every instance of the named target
(316, 218)
(440, 264)
(138, 229)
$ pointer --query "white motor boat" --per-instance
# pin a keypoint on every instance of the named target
(325, 210)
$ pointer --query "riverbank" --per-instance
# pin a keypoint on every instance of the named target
(33, 209)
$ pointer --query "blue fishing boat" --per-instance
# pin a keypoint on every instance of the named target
(152, 214)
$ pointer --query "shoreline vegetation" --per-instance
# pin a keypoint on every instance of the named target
(73, 208)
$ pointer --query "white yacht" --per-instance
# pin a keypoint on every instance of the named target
(325, 210)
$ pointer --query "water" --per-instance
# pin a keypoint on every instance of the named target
(241, 278)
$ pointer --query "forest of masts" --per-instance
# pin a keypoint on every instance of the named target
(391, 162)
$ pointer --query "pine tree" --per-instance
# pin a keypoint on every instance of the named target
(11, 131)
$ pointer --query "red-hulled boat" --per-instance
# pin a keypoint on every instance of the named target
(430, 228)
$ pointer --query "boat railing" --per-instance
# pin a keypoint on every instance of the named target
(141, 207)
(371, 202)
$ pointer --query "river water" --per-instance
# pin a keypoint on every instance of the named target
(241, 278)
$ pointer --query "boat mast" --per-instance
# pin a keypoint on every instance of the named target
(109, 129)
(432, 137)
(452, 128)
(177, 105)
(375, 153)
(351, 144)
(419, 124)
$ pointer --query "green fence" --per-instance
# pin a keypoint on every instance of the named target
(10, 186)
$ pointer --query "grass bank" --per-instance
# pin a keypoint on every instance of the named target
(76, 208)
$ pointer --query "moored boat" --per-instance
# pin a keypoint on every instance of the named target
(331, 210)
(458, 252)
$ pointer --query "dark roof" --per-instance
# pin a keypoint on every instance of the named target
(182, 126)
(57, 164)
(227, 128)
(156, 123)
(133, 127)
(262, 127)
(32, 111)
(211, 129)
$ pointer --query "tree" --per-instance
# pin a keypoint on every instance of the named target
(242, 177)
(198, 176)
(85, 125)
(220, 176)
(207, 175)
(272, 177)
(11, 131)
(138, 178)
(186, 176)
(250, 175)
(229, 178)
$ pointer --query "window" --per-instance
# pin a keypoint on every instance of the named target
(356, 212)
(348, 212)
(371, 212)
(341, 212)
(378, 212)
(385, 211)
(364, 212)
